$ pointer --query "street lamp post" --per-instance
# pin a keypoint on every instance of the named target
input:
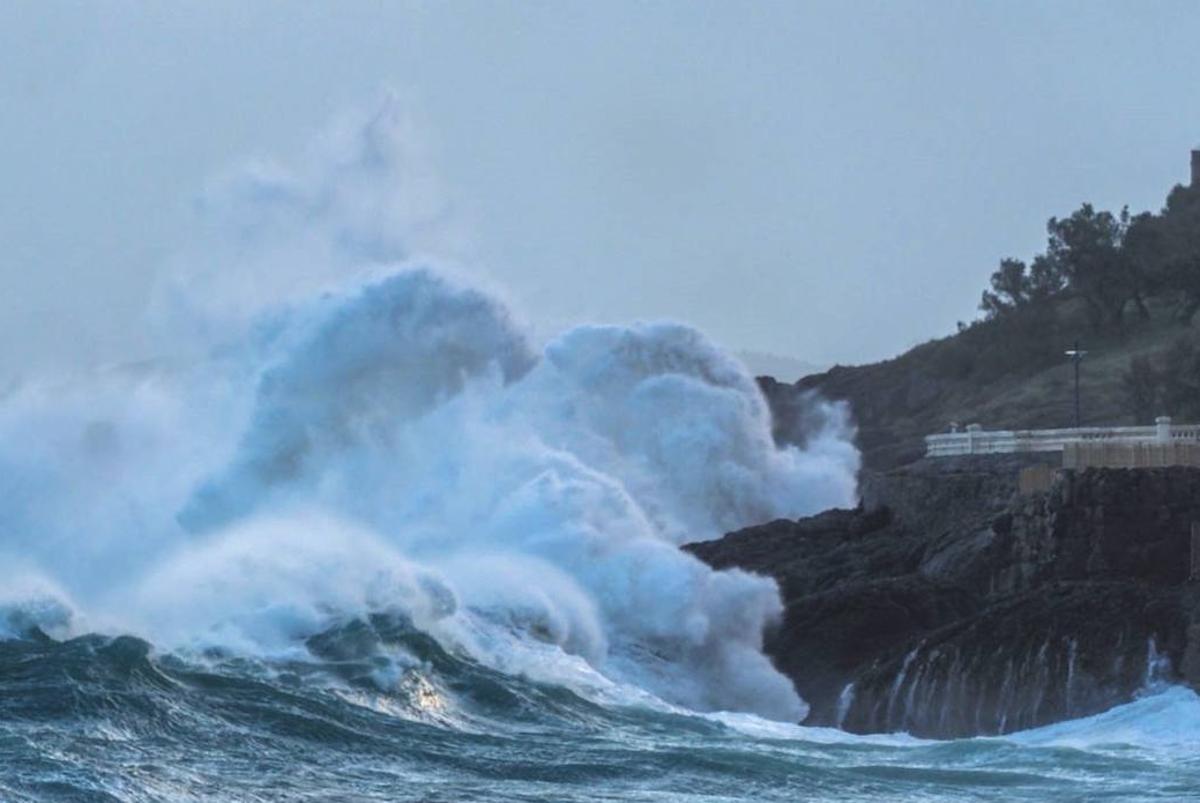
(1076, 355)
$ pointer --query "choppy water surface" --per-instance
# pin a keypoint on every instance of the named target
(105, 719)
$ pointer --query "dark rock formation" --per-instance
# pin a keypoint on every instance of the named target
(949, 605)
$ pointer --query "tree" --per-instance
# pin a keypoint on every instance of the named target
(1086, 251)
(1143, 247)
(1177, 258)
(1016, 286)
(1045, 279)
(1010, 289)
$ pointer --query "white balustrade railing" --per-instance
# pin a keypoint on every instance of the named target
(976, 440)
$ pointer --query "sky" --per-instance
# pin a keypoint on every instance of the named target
(831, 182)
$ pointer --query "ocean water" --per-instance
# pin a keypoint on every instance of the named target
(357, 533)
(102, 719)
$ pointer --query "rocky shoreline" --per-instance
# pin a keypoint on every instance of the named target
(951, 604)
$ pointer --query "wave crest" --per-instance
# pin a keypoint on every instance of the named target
(399, 445)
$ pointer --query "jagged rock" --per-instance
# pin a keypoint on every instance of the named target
(1039, 657)
(949, 605)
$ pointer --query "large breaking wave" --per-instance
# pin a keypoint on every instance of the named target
(382, 436)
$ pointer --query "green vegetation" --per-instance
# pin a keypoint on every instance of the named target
(1111, 262)
(1126, 286)
(1108, 277)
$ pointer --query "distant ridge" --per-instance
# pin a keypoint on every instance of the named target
(779, 366)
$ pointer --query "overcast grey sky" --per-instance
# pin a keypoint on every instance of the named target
(832, 181)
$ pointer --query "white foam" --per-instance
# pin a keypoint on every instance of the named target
(396, 442)
(760, 728)
(1169, 718)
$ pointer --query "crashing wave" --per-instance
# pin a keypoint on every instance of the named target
(396, 443)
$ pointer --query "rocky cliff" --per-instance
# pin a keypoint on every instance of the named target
(949, 604)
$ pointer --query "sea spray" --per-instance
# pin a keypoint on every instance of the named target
(385, 438)
(587, 466)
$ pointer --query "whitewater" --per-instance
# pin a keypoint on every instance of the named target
(357, 533)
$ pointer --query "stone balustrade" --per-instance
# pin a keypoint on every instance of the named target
(976, 440)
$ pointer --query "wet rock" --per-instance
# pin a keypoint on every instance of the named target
(948, 604)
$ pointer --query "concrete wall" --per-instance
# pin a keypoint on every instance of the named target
(1131, 455)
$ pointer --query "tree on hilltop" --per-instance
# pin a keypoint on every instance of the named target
(1086, 249)
(1010, 289)
(1178, 257)
(1016, 286)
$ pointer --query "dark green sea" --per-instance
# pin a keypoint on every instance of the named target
(109, 719)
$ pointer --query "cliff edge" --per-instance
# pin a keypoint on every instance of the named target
(950, 604)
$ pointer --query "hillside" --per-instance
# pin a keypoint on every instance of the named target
(1008, 370)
